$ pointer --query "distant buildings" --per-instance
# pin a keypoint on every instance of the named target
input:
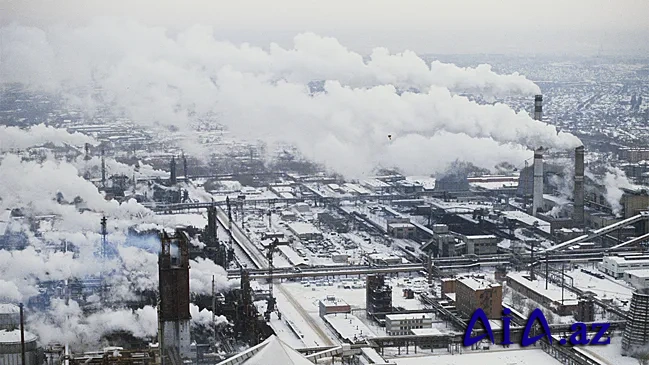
(616, 266)
(402, 324)
(472, 293)
(632, 154)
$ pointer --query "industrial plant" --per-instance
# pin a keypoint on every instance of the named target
(311, 205)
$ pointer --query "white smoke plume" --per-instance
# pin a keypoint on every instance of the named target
(614, 181)
(113, 167)
(67, 323)
(158, 79)
(14, 138)
(204, 317)
(200, 277)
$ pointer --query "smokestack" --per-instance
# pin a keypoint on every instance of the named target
(578, 213)
(22, 335)
(103, 169)
(537, 198)
(172, 167)
(185, 168)
(87, 149)
(538, 107)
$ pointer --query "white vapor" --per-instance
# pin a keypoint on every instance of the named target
(614, 181)
(67, 323)
(156, 78)
(204, 317)
(14, 138)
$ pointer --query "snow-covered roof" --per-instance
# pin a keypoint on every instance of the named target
(300, 228)
(640, 273)
(408, 316)
(476, 284)
(9, 308)
(272, 351)
(8, 337)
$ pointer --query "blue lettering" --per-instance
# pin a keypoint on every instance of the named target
(603, 329)
(506, 326)
(534, 316)
(479, 314)
(580, 330)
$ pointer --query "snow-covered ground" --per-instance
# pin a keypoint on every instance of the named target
(607, 288)
(494, 357)
(610, 354)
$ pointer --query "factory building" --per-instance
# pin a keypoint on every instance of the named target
(331, 304)
(473, 293)
(639, 279)
(535, 290)
(636, 330)
(452, 183)
(378, 297)
(401, 230)
(480, 244)
(174, 317)
(616, 266)
(305, 231)
(402, 324)
(443, 244)
(381, 259)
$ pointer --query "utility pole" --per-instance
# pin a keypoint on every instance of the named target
(562, 282)
(525, 187)
(546, 271)
(104, 233)
(22, 334)
(103, 169)
(532, 264)
(213, 308)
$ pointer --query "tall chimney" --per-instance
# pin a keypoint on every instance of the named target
(172, 167)
(578, 213)
(537, 199)
(538, 107)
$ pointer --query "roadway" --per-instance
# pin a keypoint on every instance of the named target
(242, 240)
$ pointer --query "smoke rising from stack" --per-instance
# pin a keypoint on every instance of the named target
(614, 181)
(14, 138)
(157, 79)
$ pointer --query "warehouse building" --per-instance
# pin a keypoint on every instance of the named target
(473, 293)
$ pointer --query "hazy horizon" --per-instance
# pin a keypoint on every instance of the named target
(524, 27)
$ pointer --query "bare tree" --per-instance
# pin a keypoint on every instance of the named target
(530, 306)
(517, 300)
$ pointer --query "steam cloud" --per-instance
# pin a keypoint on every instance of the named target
(14, 138)
(155, 78)
(614, 181)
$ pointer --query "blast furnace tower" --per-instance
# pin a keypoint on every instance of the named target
(174, 317)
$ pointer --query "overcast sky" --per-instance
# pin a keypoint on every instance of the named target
(425, 26)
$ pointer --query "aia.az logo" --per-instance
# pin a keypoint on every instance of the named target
(579, 330)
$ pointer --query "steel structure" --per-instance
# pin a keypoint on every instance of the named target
(174, 316)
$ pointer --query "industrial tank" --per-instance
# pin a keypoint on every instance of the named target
(9, 317)
(10, 348)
